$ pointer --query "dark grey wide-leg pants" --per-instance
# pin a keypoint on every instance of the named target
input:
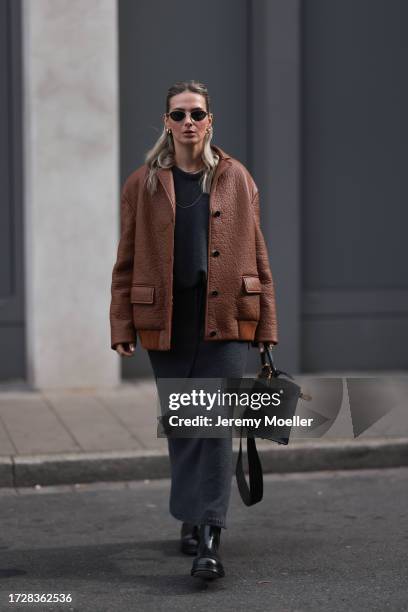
(201, 468)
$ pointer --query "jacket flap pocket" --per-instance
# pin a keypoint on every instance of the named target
(252, 284)
(141, 294)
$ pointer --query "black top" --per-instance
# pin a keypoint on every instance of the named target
(191, 229)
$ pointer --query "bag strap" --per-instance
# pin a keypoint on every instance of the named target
(253, 493)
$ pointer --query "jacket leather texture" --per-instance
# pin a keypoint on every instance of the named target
(240, 297)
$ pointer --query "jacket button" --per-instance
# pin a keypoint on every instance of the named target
(215, 292)
(215, 253)
(217, 213)
(213, 333)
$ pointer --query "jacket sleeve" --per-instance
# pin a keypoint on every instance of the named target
(267, 329)
(120, 314)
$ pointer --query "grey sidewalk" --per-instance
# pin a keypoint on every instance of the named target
(57, 437)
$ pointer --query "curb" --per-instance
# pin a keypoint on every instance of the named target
(74, 468)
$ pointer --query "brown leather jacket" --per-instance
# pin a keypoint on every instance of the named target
(240, 301)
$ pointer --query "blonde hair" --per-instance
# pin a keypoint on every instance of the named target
(161, 155)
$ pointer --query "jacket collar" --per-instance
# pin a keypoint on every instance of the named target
(165, 175)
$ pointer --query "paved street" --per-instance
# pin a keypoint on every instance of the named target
(318, 541)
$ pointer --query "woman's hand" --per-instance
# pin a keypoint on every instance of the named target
(126, 349)
(261, 346)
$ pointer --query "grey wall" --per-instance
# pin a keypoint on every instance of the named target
(274, 158)
(12, 341)
(354, 184)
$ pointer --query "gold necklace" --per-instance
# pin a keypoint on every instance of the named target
(188, 172)
(192, 204)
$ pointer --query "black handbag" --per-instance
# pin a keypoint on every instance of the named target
(270, 380)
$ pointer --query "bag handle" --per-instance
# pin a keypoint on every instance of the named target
(269, 370)
(267, 353)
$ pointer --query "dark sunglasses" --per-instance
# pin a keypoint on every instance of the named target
(196, 115)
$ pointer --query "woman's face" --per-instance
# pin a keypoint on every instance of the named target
(188, 131)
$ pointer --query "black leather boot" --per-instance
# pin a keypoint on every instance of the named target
(189, 539)
(207, 563)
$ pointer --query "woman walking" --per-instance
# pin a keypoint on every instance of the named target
(192, 280)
